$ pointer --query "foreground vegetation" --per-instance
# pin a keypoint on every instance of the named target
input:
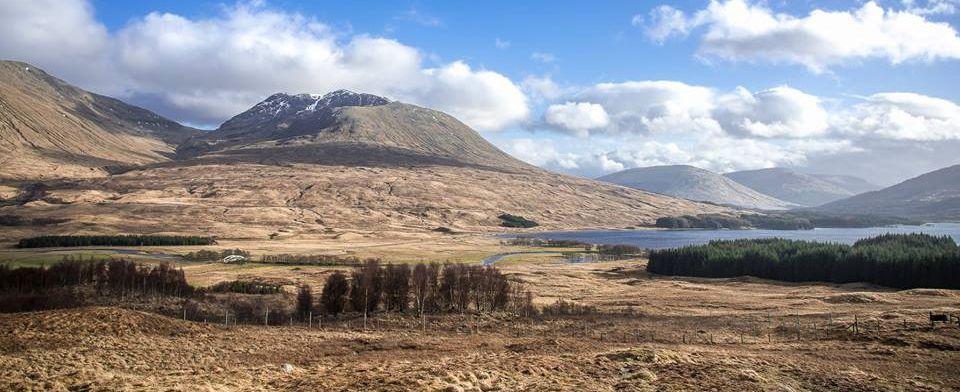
(112, 240)
(368, 288)
(894, 260)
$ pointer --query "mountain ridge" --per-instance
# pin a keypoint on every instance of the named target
(368, 125)
(693, 183)
(51, 129)
(934, 196)
(802, 189)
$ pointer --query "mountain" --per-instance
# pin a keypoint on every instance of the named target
(798, 188)
(50, 129)
(855, 185)
(933, 196)
(347, 127)
(693, 183)
(306, 165)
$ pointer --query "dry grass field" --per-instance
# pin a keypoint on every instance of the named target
(649, 333)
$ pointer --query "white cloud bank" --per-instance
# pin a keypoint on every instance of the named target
(902, 116)
(668, 122)
(205, 70)
(741, 30)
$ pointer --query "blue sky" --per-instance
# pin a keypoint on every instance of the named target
(592, 42)
(579, 87)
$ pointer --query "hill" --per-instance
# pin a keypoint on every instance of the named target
(50, 129)
(315, 165)
(693, 183)
(344, 127)
(932, 196)
(803, 189)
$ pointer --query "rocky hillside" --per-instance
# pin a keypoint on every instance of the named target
(803, 189)
(933, 196)
(50, 129)
(693, 183)
(301, 165)
(344, 127)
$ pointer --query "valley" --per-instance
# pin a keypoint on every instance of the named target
(644, 332)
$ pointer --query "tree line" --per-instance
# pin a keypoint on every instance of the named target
(893, 260)
(370, 287)
(35, 288)
(422, 288)
(288, 259)
(112, 240)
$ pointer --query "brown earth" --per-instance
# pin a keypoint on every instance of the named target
(655, 333)
(253, 201)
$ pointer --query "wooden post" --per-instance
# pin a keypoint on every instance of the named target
(684, 334)
(741, 337)
(266, 316)
(309, 319)
(798, 327)
(769, 339)
(225, 318)
(856, 325)
(184, 313)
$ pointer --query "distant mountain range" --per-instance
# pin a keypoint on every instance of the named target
(292, 165)
(933, 196)
(801, 189)
(693, 183)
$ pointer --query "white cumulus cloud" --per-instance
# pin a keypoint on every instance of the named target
(902, 116)
(653, 106)
(778, 112)
(577, 117)
(739, 30)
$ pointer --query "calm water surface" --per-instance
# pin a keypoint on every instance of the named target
(659, 239)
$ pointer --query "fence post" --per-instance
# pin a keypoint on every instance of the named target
(225, 318)
(856, 325)
(798, 327)
(309, 319)
(266, 316)
(184, 313)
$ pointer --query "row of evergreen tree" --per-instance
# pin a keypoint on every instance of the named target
(112, 240)
(894, 260)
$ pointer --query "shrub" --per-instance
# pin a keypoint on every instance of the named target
(508, 220)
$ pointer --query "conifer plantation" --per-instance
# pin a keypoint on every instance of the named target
(113, 240)
(893, 260)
